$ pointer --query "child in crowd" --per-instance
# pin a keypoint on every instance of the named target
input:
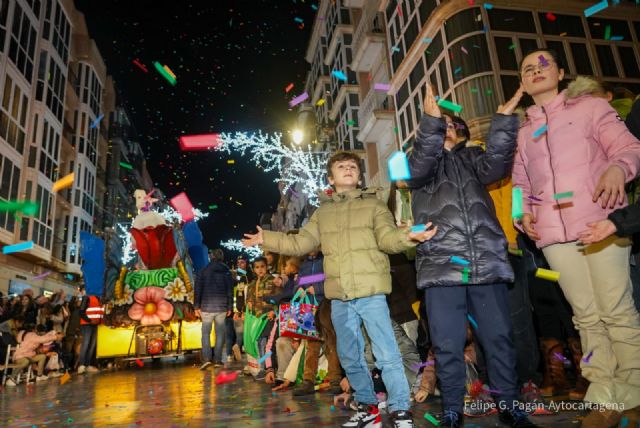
(355, 229)
(26, 354)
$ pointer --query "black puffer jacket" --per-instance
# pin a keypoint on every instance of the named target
(449, 191)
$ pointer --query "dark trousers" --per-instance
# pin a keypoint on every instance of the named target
(88, 348)
(447, 309)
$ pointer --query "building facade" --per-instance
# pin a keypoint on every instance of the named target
(54, 119)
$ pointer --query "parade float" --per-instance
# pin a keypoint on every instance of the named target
(148, 292)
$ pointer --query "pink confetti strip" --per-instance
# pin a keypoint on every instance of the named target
(382, 87)
(297, 100)
(200, 142)
(311, 279)
(42, 275)
(425, 364)
(464, 50)
(182, 204)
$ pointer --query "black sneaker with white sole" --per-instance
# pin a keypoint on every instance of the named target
(402, 419)
(366, 416)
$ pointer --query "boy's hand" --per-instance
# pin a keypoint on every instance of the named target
(430, 105)
(255, 239)
(597, 231)
(271, 315)
(509, 107)
(425, 235)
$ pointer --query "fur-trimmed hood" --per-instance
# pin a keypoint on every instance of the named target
(583, 86)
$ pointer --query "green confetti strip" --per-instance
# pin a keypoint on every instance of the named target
(563, 195)
(431, 419)
(126, 165)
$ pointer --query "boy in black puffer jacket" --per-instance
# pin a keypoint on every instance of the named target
(464, 269)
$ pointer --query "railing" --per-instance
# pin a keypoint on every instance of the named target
(375, 100)
(365, 26)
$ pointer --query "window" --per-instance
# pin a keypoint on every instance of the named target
(506, 53)
(22, 43)
(629, 61)
(444, 77)
(42, 224)
(92, 91)
(598, 28)
(9, 181)
(4, 14)
(527, 45)
(402, 95)
(417, 106)
(425, 9)
(13, 115)
(477, 97)
(416, 75)
(566, 25)
(513, 21)
(581, 59)
(42, 72)
(411, 32)
(49, 152)
(476, 60)
(607, 63)
(35, 7)
(636, 25)
(462, 23)
(558, 47)
(55, 90)
(432, 52)
(61, 34)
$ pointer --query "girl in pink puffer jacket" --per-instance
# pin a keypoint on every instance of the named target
(577, 145)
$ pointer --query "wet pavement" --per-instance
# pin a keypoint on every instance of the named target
(177, 394)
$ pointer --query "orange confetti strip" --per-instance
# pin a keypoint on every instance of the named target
(168, 70)
(63, 183)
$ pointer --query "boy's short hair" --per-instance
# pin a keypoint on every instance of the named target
(340, 157)
(260, 259)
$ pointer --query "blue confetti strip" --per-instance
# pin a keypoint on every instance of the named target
(460, 261)
(264, 357)
(540, 131)
(23, 246)
(472, 321)
(339, 75)
(418, 228)
(596, 8)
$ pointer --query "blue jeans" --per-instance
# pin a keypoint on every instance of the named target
(88, 348)
(374, 313)
(209, 318)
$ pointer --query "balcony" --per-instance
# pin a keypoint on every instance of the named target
(368, 43)
(342, 96)
(375, 116)
(339, 30)
(318, 90)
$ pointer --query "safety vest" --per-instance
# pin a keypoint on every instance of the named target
(95, 311)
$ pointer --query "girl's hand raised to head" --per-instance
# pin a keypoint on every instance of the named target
(510, 106)
(430, 105)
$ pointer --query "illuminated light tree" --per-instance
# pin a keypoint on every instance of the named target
(235, 245)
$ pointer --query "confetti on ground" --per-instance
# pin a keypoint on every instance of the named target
(339, 75)
(182, 204)
(431, 419)
(382, 87)
(126, 165)
(549, 275)
(200, 142)
(418, 228)
(97, 121)
(472, 321)
(139, 362)
(449, 105)
(63, 183)
(311, 279)
(516, 203)
(538, 132)
(588, 357)
(563, 195)
(65, 378)
(16, 248)
(226, 377)
(598, 7)
(297, 100)
(459, 260)
(399, 167)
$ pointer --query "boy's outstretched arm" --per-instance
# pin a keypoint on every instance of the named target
(390, 238)
(307, 239)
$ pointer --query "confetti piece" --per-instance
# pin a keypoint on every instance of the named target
(563, 34)
(472, 321)
(459, 260)
(616, 38)
(550, 17)
(27, 208)
(63, 183)
(431, 419)
(139, 362)
(126, 165)
(241, 271)
(15, 248)
(351, 122)
(463, 49)
(559, 356)
(516, 203)
(65, 378)
(563, 195)
(607, 32)
(199, 142)
(471, 2)
(297, 100)
(399, 167)
(538, 132)
(514, 251)
(488, 6)
(42, 275)
(320, 102)
(474, 90)
(288, 88)
(164, 73)
(231, 161)
(421, 365)
(213, 207)
(332, 408)
(549, 275)
(598, 7)
(179, 313)
(382, 87)
(489, 92)
(465, 275)
(238, 203)
(168, 70)
(449, 105)
(311, 279)
(418, 228)
(339, 75)
(298, 20)
(182, 205)
(457, 70)
(624, 422)
(543, 61)
(97, 121)
(588, 357)
(512, 46)
(226, 377)
(395, 49)
(427, 40)
(314, 7)
(140, 65)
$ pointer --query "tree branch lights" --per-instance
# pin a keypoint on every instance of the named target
(171, 215)
(292, 165)
(128, 253)
(235, 245)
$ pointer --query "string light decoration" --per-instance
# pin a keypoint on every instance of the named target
(236, 245)
(293, 165)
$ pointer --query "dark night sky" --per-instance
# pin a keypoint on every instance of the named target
(232, 59)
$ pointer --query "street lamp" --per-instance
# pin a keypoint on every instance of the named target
(297, 136)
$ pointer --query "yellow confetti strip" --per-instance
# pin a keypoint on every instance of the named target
(549, 275)
(231, 161)
(320, 102)
(63, 183)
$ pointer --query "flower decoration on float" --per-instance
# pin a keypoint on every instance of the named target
(150, 307)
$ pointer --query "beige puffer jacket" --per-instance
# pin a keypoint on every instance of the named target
(355, 230)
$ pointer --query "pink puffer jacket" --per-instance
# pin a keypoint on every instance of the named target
(584, 137)
(30, 343)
